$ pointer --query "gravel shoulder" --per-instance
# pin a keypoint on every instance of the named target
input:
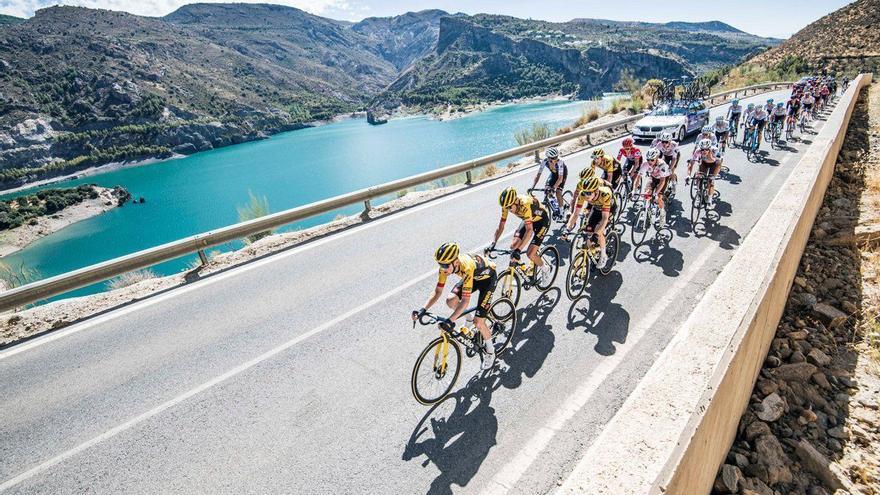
(812, 426)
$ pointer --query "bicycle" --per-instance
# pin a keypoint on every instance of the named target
(802, 122)
(750, 142)
(514, 279)
(645, 215)
(588, 256)
(432, 382)
(549, 203)
(733, 130)
(789, 128)
(700, 192)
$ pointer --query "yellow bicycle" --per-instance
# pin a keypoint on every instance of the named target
(438, 366)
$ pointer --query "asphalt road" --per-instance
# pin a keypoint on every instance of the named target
(291, 374)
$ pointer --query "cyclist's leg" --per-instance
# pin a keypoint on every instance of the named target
(454, 296)
(484, 289)
(541, 229)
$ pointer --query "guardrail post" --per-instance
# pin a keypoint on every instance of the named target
(470, 178)
(587, 137)
(537, 156)
(367, 208)
(203, 257)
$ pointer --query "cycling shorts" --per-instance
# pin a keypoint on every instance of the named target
(554, 176)
(483, 288)
(596, 217)
(540, 227)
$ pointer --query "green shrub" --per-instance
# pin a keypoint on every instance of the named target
(257, 207)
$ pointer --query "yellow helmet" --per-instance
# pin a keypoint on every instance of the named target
(447, 253)
(588, 172)
(598, 153)
(590, 184)
(508, 196)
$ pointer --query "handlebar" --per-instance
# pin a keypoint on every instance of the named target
(427, 318)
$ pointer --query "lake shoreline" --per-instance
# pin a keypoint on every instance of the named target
(18, 238)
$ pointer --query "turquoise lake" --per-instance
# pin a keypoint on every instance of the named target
(200, 192)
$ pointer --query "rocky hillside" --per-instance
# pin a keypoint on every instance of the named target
(490, 57)
(8, 19)
(82, 87)
(848, 32)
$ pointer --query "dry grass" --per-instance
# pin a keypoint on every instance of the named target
(130, 278)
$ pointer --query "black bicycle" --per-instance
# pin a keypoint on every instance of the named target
(514, 279)
(439, 364)
(556, 212)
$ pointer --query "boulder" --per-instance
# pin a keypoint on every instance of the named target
(797, 372)
(772, 461)
(772, 408)
(818, 358)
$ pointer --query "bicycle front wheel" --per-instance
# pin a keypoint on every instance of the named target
(696, 206)
(578, 276)
(547, 274)
(436, 371)
(641, 225)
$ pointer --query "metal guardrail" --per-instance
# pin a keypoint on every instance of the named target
(65, 282)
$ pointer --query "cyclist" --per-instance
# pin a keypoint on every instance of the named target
(808, 101)
(609, 165)
(558, 174)
(734, 112)
(777, 118)
(759, 121)
(658, 171)
(668, 150)
(631, 155)
(721, 130)
(530, 235)
(824, 94)
(577, 201)
(708, 132)
(769, 106)
(710, 161)
(602, 207)
(794, 109)
(476, 273)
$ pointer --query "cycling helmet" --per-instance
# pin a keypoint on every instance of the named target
(735, 102)
(719, 118)
(707, 129)
(751, 106)
(770, 101)
(587, 172)
(652, 154)
(627, 142)
(590, 184)
(598, 153)
(447, 253)
(665, 136)
(705, 144)
(552, 152)
(508, 196)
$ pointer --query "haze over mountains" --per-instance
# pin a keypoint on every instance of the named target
(80, 87)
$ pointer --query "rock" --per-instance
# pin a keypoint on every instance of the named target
(831, 283)
(773, 407)
(821, 380)
(798, 335)
(818, 358)
(757, 429)
(772, 460)
(772, 362)
(754, 486)
(804, 300)
(799, 372)
(849, 307)
(834, 445)
(797, 357)
(728, 479)
(807, 416)
(818, 464)
(767, 387)
(829, 315)
(800, 281)
(839, 432)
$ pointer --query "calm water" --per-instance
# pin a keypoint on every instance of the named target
(201, 192)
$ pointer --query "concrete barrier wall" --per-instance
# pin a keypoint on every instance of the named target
(674, 430)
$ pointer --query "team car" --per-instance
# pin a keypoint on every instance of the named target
(679, 117)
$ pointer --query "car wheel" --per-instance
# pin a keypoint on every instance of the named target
(680, 134)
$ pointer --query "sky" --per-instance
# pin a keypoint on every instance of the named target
(773, 18)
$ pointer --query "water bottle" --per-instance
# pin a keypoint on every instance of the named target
(554, 205)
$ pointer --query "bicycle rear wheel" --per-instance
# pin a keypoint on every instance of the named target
(509, 285)
(550, 257)
(578, 275)
(502, 322)
(436, 371)
(612, 248)
(577, 243)
(696, 206)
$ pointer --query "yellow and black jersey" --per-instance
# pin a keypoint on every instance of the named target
(470, 268)
(604, 199)
(606, 163)
(526, 207)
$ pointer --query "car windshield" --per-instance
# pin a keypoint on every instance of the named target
(664, 110)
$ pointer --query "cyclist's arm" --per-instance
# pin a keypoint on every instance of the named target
(560, 176)
(538, 177)
(500, 228)
(438, 291)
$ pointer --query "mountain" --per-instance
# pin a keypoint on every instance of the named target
(404, 38)
(491, 57)
(710, 26)
(8, 19)
(848, 32)
(82, 87)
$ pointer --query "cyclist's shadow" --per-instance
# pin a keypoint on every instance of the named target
(726, 237)
(532, 344)
(600, 315)
(660, 253)
(457, 434)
